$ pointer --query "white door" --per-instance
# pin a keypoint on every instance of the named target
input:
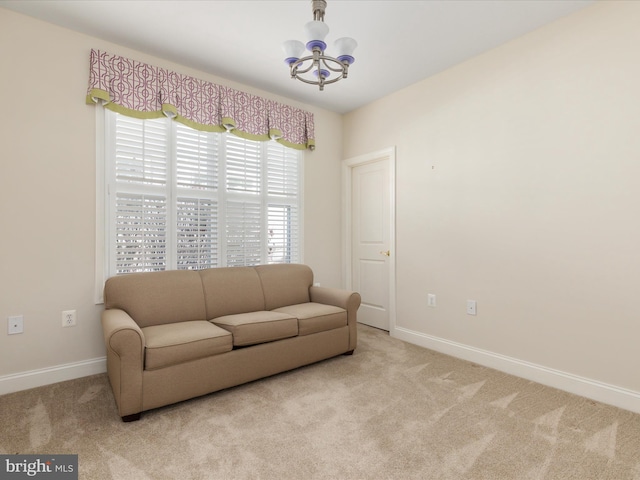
(371, 231)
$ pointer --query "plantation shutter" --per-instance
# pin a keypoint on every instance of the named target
(197, 159)
(282, 171)
(243, 233)
(283, 188)
(178, 198)
(140, 240)
(197, 204)
(243, 207)
(243, 165)
(141, 227)
(197, 230)
(283, 234)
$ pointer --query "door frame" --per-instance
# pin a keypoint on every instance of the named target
(387, 154)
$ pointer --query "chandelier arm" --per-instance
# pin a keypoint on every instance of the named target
(316, 82)
(312, 82)
(326, 58)
(295, 66)
(333, 80)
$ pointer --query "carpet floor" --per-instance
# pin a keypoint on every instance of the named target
(391, 411)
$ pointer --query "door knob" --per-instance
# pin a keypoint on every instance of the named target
(387, 253)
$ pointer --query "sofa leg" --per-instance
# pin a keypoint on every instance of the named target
(131, 418)
(350, 352)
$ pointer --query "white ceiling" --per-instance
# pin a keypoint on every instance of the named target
(400, 42)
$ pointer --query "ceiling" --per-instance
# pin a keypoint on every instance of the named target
(400, 42)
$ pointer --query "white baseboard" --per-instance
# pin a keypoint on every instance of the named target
(585, 387)
(46, 376)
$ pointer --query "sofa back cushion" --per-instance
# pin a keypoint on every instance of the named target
(157, 298)
(285, 284)
(231, 290)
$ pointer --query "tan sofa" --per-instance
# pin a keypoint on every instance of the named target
(175, 335)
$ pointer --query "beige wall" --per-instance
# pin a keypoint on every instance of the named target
(518, 186)
(517, 179)
(47, 193)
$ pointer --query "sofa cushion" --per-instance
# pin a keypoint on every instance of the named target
(154, 298)
(174, 343)
(285, 284)
(231, 290)
(258, 327)
(316, 317)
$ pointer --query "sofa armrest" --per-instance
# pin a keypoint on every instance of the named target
(125, 359)
(337, 297)
(346, 299)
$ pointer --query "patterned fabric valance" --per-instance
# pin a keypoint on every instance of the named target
(139, 90)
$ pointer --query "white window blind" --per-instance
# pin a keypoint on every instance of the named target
(243, 162)
(197, 231)
(197, 159)
(283, 240)
(140, 232)
(141, 151)
(177, 198)
(244, 234)
(283, 172)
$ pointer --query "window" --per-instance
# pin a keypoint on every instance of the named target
(178, 198)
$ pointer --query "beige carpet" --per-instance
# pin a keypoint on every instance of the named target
(391, 411)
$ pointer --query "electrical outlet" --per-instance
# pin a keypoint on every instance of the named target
(471, 307)
(15, 325)
(69, 318)
(431, 300)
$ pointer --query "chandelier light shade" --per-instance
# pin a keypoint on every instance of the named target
(317, 68)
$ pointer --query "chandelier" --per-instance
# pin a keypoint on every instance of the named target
(315, 69)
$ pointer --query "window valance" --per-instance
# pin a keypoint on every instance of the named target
(140, 90)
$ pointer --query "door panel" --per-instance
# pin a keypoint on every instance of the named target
(371, 235)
